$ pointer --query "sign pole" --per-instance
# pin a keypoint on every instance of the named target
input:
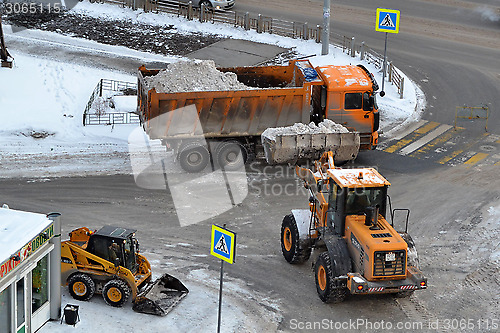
(220, 294)
(382, 92)
(387, 20)
(222, 246)
(325, 43)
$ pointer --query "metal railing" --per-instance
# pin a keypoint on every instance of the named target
(100, 118)
(472, 113)
(112, 118)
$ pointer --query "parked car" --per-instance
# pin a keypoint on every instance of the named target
(217, 4)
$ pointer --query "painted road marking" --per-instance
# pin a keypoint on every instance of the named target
(476, 158)
(440, 140)
(409, 138)
(454, 154)
(424, 140)
(409, 130)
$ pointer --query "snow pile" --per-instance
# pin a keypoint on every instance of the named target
(185, 76)
(326, 126)
(18, 228)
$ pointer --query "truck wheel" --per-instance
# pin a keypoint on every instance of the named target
(116, 292)
(194, 158)
(81, 287)
(291, 248)
(324, 273)
(231, 155)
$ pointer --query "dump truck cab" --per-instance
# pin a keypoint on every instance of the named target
(348, 96)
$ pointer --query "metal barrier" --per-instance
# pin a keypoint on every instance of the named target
(99, 118)
(112, 118)
(472, 113)
(397, 79)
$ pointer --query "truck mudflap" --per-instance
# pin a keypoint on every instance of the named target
(160, 296)
(357, 284)
(288, 148)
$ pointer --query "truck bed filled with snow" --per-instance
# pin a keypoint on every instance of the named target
(197, 75)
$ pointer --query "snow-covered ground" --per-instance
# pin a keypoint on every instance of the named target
(46, 98)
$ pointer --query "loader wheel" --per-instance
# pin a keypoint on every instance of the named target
(292, 250)
(116, 292)
(328, 291)
(231, 155)
(81, 287)
(194, 158)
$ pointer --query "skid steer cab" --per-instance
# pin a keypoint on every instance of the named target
(360, 252)
(108, 262)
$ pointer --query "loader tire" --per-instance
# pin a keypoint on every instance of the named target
(292, 250)
(81, 287)
(231, 155)
(325, 273)
(194, 158)
(116, 292)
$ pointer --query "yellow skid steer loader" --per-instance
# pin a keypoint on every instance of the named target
(108, 262)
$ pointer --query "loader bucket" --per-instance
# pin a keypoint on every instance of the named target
(161, 296)
(288, 148)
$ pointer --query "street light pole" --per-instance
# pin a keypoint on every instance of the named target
(325, 40)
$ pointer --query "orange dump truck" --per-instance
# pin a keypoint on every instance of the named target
(231, 122)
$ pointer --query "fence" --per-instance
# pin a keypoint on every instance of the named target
(112, 119)
(101, 118)
(471, 113)
(262, 24)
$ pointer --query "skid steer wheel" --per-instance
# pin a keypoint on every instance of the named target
(81, 287)
(325, 285)
(293, 252)
(116, 292)
(231, 155)
(194, 158)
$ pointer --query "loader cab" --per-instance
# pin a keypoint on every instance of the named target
(354, 192)
(116, 245)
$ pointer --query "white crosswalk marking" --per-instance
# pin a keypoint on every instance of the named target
(424, 140)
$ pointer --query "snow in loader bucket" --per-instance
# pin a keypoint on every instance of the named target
(301, 141)
(161, 296)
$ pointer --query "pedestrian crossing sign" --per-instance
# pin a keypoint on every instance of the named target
(223, 244)
(387, 20)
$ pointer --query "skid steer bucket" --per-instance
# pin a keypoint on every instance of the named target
(288, 148)
(161, 296)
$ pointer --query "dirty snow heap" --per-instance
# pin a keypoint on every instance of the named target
(301, 141)
(326, 126)
(198, 75)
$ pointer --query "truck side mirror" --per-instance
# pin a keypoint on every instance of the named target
(368, 102)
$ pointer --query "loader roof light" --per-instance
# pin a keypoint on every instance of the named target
(360, 176)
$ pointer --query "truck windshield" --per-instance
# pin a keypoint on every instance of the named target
(129, 248)
(358, 199)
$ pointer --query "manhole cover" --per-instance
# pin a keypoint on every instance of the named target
(487, 148)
